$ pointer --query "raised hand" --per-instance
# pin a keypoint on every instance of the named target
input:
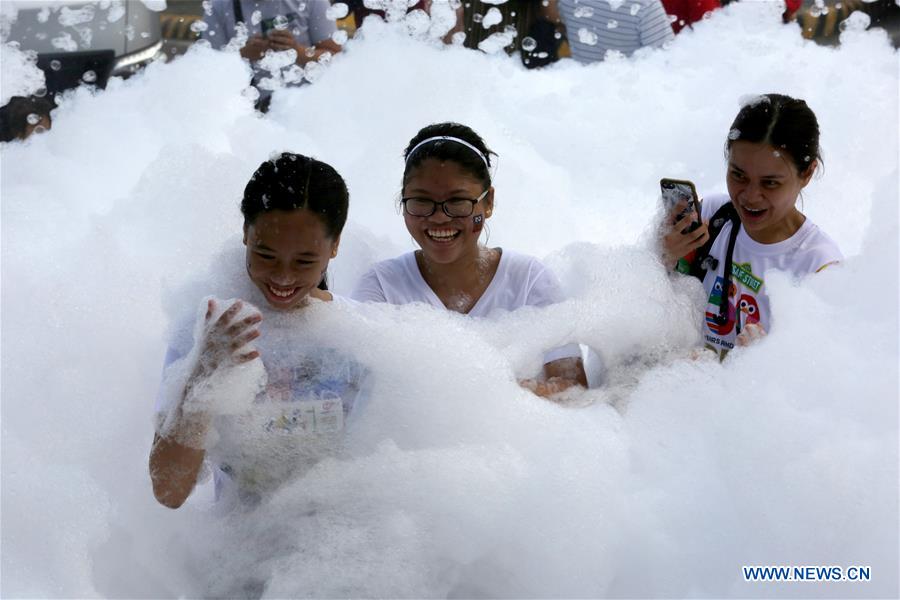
(282, 39)
(255, 48)
(225, 338)
(675, 242)
(750, 334)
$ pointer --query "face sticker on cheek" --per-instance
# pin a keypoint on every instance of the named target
(477, 223)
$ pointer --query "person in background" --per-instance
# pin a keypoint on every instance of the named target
(447, 198)
(791, 8)
(524, 17)
(360, 11)
(278, 25)
(685, 12)
(595, 27)
(23, 116)
(772, 151)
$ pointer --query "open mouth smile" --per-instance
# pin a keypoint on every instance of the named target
(442, 236)
(753, 213)
(282, 295)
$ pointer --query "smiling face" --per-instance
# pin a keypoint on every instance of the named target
(764, 185)
(444, 239)
(287, 255)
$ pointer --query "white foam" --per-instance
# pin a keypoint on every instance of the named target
(456, 481)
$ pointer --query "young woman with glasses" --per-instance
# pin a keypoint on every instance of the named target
(447, 197)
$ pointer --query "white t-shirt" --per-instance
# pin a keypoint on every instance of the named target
(807, 251)
(311, 395)
(520, 280)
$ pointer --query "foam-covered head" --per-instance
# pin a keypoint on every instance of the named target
(787, 124)
(293, 181)
(473, 155)
(294, 210)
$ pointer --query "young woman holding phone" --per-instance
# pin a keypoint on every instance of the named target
(772, 152)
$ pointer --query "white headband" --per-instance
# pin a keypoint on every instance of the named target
(449, 139)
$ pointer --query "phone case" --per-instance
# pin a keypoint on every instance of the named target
(676, 190)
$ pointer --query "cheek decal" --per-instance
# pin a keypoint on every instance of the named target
(477, 223)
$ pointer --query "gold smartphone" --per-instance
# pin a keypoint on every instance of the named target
(677, 190)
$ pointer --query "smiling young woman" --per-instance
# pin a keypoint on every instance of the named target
(294, 210)
(447, 196)
(772, 152)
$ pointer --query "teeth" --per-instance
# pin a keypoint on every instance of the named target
(280, 293)
(442, 233)
(753, 210)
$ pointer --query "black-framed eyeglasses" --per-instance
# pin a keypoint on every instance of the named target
(454, 207)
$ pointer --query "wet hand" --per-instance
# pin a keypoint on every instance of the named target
(226, 338)
(750, 334)
(675, 242)
(549, 387)
(282, 39)
(255, 48)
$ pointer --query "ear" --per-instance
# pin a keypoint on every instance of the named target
(246, 229)
(334, 246)
(808, 173)
(489, 203)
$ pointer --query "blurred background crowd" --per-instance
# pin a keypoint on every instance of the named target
(74, 45)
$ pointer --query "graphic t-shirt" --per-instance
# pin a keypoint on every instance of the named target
(807, 251)
(310, 396)
(520, 280)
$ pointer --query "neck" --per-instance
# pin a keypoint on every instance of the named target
(463, 274)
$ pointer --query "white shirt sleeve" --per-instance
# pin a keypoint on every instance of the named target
(545, 289)
(710, 204)
(368, 289)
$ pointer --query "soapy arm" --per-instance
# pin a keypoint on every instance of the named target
(178, 446)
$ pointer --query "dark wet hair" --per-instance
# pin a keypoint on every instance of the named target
(14, 115)
(444, 150)
(292, 182)
(782, 122)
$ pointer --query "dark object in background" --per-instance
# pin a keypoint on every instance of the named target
(134, 38)
(518, 14)
(546, 49)
(360, 12)
(66, 70)
(22, 116)
(824, 26)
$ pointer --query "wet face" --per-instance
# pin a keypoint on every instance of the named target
(764, 184)
(287, 254)
(445, 239)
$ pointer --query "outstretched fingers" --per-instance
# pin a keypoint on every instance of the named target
(245, 338)
(246, 357)
(226, 317)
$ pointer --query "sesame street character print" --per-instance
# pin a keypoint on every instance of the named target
(716, 298)
(749, 309)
